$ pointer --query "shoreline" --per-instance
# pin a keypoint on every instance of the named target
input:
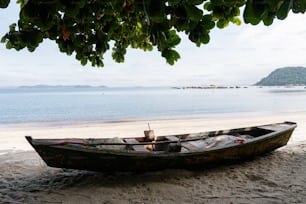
(12, 136)
(82, 122)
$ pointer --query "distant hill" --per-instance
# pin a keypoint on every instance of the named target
(285, 76)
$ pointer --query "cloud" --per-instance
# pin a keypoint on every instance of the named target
(289, 32)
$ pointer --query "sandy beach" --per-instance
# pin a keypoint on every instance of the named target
(279, 177)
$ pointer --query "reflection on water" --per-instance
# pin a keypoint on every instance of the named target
(101, 103)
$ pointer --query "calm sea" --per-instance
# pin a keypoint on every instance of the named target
(28, 104)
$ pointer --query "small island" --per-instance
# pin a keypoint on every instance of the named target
(286, 76)
(209, 87)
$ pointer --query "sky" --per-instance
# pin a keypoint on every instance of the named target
(236, 55)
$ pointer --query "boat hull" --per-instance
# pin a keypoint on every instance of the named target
(72, 157)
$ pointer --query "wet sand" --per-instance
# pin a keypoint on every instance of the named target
(279, 177)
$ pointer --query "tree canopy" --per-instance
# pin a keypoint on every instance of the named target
(89, 28)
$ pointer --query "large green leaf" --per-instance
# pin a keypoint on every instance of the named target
(283, 11)
(194, 13)
(4, 3)
(249, 14)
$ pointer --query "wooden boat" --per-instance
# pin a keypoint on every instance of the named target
(197, 150)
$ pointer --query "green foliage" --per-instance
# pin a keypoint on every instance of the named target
(224, 12)
(266, 10)
(88, 28)
(4, 3)
(285, 76)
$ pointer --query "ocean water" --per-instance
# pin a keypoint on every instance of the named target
(37, 104)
